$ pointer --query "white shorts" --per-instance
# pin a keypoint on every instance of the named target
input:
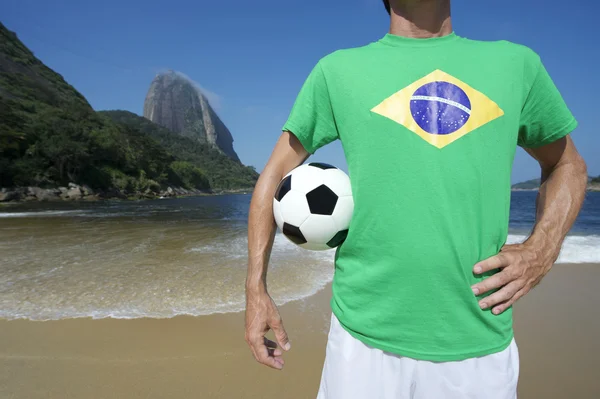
(354, 370)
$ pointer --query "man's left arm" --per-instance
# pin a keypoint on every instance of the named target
(561, 195)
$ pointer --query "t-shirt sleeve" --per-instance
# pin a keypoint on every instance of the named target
(311, 119)
(545, 117)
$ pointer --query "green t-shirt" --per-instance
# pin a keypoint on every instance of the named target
(429, 128)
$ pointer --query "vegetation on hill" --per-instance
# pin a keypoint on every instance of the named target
(527, 185)
(534, 184)
(222, 171)
(50, 136)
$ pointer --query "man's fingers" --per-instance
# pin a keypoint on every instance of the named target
(496, 281)
(281, 335)
(505, 305)
(495, 262)
(273, 349)
(501, 296)
(262, 355)
(275, 352)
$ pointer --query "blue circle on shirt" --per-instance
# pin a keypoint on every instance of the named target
(440, 107)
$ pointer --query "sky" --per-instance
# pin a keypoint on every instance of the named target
(251, 57)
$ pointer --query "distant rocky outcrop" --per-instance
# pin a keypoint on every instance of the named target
(176, 103)
(73, 192)
(534, 184)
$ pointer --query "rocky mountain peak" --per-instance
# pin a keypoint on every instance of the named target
(177, 103)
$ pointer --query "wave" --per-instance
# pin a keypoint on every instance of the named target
(108, 213)
(206, 279)
(40, 214)
(137, 313)
(575, 249)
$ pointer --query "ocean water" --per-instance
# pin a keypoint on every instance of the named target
(169, 257)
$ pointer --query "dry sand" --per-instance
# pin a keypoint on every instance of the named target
(557, 328)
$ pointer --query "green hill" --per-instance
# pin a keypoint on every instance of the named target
(534, 184)
(221, 170)
(527, 185)
(50, 136)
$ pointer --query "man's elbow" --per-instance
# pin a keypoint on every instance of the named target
(575, 170)
(572, 163)
(579, 167)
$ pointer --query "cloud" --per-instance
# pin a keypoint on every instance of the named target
(215, 100)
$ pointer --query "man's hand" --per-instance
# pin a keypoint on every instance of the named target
(522, 268)
(261, 316)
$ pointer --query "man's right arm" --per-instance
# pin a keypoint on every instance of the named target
(261, 312)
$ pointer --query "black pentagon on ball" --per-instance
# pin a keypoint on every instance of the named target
(284, 187)
(294, 234)
(338, 239)
(321, 165)
(322, 200)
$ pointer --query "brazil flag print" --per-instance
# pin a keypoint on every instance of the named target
(439, 108)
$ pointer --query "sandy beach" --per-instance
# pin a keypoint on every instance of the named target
(557, 330)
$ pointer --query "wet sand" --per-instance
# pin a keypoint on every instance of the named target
(557, 329)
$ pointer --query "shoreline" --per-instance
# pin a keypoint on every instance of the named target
(77, 193)
(591, 188)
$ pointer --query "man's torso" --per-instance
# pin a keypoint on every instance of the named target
(431, 196)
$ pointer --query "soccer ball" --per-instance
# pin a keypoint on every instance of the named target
(313, 206)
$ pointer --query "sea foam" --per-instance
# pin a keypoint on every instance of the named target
(107, 277)
(575, 249)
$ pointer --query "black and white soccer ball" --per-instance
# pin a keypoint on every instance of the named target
(313, 206)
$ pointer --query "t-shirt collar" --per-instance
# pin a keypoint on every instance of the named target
(399, 41)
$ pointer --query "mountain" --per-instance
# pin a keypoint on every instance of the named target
(534, 184)
(51, 137)
(45, 124)
(175, 102)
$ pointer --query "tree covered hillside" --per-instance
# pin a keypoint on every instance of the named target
(50, 136)
(222, 171)
(527, 185)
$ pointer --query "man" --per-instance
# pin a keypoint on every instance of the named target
(424, 283)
